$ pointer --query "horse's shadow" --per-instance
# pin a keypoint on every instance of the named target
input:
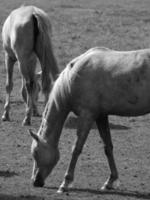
(124, 193)
(21, 197)
(71, 122)
(134, 194)
(7, 174)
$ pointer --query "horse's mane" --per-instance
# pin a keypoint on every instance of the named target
(60, 91)
(61, 88)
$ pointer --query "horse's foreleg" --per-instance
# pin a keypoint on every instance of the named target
(104, 130)
(84, 124)
(9, 63)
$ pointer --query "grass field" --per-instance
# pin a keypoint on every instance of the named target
(77, 26)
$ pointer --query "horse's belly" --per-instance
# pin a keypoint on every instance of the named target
(129, 111)
(130, 105)
(117, 96)
(127, 95)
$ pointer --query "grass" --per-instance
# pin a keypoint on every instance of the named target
(77, 26)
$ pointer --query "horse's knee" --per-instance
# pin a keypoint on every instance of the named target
(31, 89)
(9, 87)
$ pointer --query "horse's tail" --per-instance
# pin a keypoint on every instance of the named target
(43, 49)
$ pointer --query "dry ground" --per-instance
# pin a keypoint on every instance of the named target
(77, 26)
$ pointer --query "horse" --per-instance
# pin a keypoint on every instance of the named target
(26, 37)
(98, 83)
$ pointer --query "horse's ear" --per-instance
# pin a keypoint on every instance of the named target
(34, 135)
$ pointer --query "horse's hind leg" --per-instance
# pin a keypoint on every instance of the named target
(29, 85)
(104, 130)
(9, 63)
(35, 98)
(27, 67)
(85, 122)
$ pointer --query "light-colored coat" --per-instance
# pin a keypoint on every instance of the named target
(99, 83)
(111, 82)
(26, 36)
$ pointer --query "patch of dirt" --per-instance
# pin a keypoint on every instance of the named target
(78, 26)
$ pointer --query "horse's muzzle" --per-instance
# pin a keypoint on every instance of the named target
(38, 181)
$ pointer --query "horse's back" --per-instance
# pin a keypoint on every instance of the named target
(112, 81)
(108, 60)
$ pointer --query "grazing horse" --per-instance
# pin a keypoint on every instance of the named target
(99, 83)
(26, 36)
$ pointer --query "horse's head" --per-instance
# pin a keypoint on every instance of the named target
(45, 158)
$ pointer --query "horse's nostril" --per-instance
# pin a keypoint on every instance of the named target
(38, 183)
(37, 180)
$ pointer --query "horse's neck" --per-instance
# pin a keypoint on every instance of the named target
(52, 123)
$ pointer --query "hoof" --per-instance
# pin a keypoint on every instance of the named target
(61, 190)
(38, 184)
(5, 118)
(26, 122)
(64, 188)
(109, 185)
